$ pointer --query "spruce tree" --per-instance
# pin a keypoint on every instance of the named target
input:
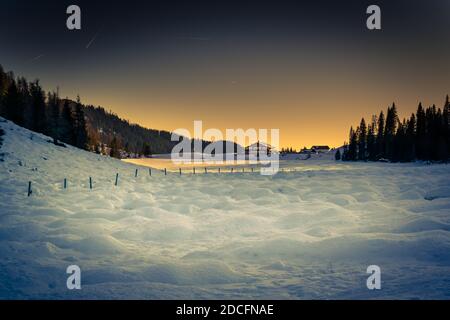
(2, 90)
(81, 137)
(380, 137)
(446, 124)
(420, 133)
(410, 149)
(146, 151)
(390, 131)
(337, 155)
(115, 148)
(362, 136)
(53, 106)
(344, 155)
(398, 143)
(67, 124)
(24, 101)
(352, 152)
(371, 146)
(38, 114)
(13, 105)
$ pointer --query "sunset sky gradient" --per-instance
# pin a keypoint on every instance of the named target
(309, 68)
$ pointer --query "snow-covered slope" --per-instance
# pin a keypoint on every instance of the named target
(304, 234)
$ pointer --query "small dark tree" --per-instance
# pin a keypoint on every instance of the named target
(81, 137)
(446, 124)
(371, 146)
(410, 149)
(146, 151)
(2, 90)
(13, 105)
(337, 155)
(390, 131)
(421, 126)
(362, 136)
(67, 124)
(344, 155)
(353, 146)
(380, 137)
(53, 106)
(38, 114)
(115, 148)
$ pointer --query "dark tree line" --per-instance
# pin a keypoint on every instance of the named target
(425, 135)
(109, 134)
(87, 127)
(28, 105)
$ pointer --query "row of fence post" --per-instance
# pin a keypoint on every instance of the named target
(116, 182)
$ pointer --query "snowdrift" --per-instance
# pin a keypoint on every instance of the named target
(309, 233)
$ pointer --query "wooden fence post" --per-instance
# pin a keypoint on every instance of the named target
(135, 173)
(150, 171)
(180, 171)
(117, 179)
(165, 171)
(90, 183)
(65, 183)
(29, 188)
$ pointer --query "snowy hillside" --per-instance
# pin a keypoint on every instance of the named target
(304, 234)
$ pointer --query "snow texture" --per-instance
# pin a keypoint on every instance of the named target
(308, 233)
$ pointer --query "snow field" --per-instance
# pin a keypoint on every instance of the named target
(304, 234)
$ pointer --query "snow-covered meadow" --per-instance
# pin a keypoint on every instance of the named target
(309, 233)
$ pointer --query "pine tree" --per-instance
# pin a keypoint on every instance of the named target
(398, 143)
(38, 114)
(81, 138)
(2, 90)
(446, 124)
(430, 150)
(371, 146)
(53, 106)
(410, 149)
(362, 136)
(24, 101)
(353, 146)
(390, 131)
(380, 137)
(337, 155)
(344, 156)
(67, 124)
(420, 133)
(146, 151)
(115, 148)
(13, 105)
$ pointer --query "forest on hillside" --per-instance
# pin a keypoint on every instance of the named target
(425, 136)
(71, 122)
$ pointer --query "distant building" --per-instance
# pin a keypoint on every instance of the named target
(320, 149)
(258, 148)
(305, 151)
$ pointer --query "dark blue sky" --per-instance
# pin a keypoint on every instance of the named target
(166, 63)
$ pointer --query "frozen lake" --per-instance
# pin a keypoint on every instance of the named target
(165, 163)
